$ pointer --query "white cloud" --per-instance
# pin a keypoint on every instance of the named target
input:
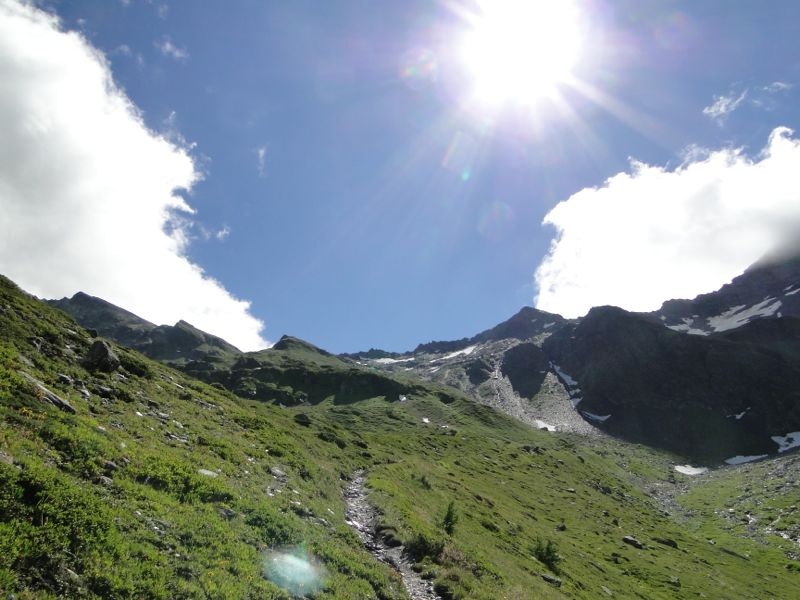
(163, 11)
(653, 234)
(223, 233)
(123, 49)
(261, 154)
(87, 192)
(724, 106)
(167, 48)
(777, 86)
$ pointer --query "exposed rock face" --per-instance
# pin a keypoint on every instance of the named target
(526, 366)
(709, 398)
(101, 357)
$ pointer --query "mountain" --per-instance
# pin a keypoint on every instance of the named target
(175, 344)
(126, 478)
(765, 290)
(708, 398)
(715, 378)
(527, 323)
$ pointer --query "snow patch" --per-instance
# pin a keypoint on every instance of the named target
(687, 327)
(573, 390)
(542, 425)
(690, 470)
(793, 292)
(594, 417)
(788, 441)
(568, 381)
(391, 361)
(739, 415)
(547, 325)
(465, 352)
(737, 316)
(739, 459)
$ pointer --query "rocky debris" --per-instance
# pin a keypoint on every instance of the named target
(6, 459)
(363, 518)
(632, 541)
(47, 395)
(666, 542)
(207, 473)
(101, 357)
(606, 591)
(550, 579)
(106, 481)
(65, 379)
(277, 473)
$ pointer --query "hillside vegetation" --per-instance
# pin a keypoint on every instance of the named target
(130, 479)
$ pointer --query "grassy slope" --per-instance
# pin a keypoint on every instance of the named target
(158, 528)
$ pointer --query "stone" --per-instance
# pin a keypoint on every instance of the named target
(632, 541)
(101, 357)
(65, 379)
(551, 580)
(302, 419)
(47, 395)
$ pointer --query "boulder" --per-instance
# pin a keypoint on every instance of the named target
(632, 541)
(101, 357)
(302, 419)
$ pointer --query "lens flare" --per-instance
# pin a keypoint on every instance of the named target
(294, 570)
(461, 155)
(420, 68)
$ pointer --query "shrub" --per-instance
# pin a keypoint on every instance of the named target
(450, 518)
(547, 553)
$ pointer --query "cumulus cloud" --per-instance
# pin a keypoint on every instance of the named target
(653, 234)
(88, 194)
(723, 106)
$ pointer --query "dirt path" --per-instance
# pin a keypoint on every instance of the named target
(363, 517)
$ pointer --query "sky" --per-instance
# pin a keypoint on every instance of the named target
(381, 174)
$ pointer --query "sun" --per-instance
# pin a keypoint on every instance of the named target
(519, 51)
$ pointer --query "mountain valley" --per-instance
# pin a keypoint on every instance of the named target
(542, 458)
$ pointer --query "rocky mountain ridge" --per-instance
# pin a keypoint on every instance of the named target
(718, 385)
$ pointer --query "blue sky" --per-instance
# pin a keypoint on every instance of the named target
(347, 194)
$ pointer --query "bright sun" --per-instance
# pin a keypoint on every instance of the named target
(518, 51)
